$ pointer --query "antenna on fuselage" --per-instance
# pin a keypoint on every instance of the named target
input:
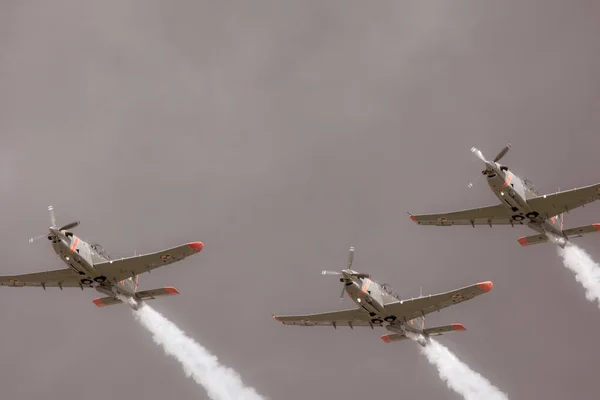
(421, 292)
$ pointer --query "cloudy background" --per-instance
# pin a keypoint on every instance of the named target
(279, 134)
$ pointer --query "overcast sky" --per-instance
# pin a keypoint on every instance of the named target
(279, 134)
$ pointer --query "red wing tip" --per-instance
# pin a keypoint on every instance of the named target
(98, 302)
(486, 286)
(413, 219)
(276, 319)
(196, 246)
(386, 338)
(596, 226)
(171, 290)
(523, 241)
(459, 327)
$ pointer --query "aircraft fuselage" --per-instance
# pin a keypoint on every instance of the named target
(80, 256)
(513, 194)
(371, 298)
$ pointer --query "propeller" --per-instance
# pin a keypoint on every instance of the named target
(488, 169)
(350, 257)
(53, 227)
(347, 273)
(52, 216)
(69, 226)
(502, 153)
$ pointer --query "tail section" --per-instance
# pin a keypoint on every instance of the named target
(569, 234)
(153, 293)
(143, 296)
(439, 330)
(106, 301)
(131, 283)
(435, 331)
(417, 323)
(393, 337)
(581, 230)
(558, 221)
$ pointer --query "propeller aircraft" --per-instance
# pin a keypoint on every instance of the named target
(379, 306)
(89, 266)
(521, 204)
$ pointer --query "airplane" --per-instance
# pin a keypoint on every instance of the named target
(379, 306)
(521, 204)
(89, 266)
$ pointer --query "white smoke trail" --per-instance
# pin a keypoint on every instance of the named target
(221, 383)
(457, 375)
(587, 272)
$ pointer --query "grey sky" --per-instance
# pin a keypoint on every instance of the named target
(279, 134)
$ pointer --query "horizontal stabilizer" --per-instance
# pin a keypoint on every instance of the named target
(438, 330)
(394, 337)
(581, 230)
(106, 301)
(569, 233)
(151, 294)
(143, 295)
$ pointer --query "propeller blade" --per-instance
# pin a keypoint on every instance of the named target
(471, 184)
(69, 226)
(478, 153)
(342, 294)
(350, 257)
(502, 153)
(52, 216)
(33, 239)
(330, 273)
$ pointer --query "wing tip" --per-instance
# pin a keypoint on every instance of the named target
(486, 286)
(413, 219)
(386, 338)
(276, 319)
(596, 226)
(171, 290)
(523, 241)
(196, 246)
(458, 327)
(98, 302)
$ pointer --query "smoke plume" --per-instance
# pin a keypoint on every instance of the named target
(587, 272)
(221, 383)
(457, 375)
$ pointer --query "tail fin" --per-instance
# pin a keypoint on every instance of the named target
(418, 322)
(132, 283)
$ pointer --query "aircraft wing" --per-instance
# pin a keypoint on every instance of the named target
(117, 270)
(418, 307)
(557, 203)
(490, 215)
(55, 278)
(351, 318)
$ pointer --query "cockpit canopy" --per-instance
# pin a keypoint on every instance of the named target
(530, 186)
(387, 288)
(99, 250)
